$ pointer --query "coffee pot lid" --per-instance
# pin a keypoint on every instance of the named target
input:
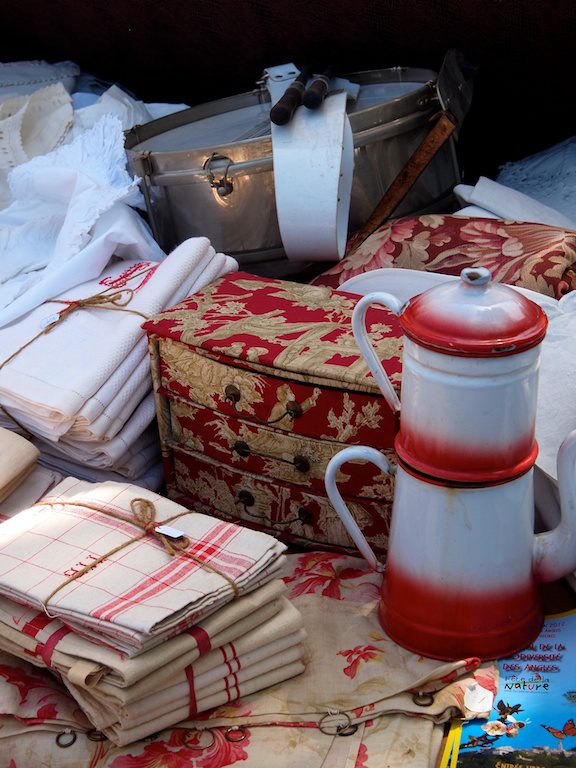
(474, 316)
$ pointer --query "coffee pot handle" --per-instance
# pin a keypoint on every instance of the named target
(555, 550)
(363, 453)
(363, 341)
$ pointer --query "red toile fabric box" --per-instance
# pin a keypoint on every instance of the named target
(258, 383)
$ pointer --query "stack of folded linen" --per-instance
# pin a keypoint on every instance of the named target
(18, 459)
(22, 481)
(74, 371)
(147, 611)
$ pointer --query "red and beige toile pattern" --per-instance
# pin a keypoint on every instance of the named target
(288, 511)
(301, 391)
(534, 256)
(363, 674)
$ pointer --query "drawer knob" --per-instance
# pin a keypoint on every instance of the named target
(294, 409)
(300, 463)
(232, 393)
(246, 498)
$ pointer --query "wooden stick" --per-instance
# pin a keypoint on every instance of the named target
(406, 178)
(281, 113)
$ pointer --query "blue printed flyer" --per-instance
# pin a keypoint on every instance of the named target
(533, 720)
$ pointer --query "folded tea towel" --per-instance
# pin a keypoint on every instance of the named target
(140, 455)
(30, 634)
(18, 458)
(151, 478)
(36, 484)
(509, 204)
(221, 671)
(132, 373)
(261, 682)
(105, 569)
(272, 635)
(136, 436)
(114, 415)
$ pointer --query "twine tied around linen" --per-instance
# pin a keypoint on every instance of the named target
(112, 298)
(144, 517)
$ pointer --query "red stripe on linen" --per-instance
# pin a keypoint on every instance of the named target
(47, 648)
(202, 638)
(36, 625)
(173, 573)
(192, 705)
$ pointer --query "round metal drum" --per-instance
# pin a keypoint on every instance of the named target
(208, 171)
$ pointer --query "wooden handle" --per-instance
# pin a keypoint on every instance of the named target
(281, 113)
(405, 180)
(315, 94)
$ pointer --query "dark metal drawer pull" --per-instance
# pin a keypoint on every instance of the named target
(233, 395)
(300, 463)
(247, 500)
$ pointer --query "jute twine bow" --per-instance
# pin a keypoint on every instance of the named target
(144, 517)
(112, 298)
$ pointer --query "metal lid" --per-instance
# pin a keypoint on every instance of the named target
(474, 316)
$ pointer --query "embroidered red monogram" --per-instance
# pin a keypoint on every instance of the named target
(129, 273)
(84, 563)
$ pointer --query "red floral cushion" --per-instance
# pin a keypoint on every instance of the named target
(533, 256)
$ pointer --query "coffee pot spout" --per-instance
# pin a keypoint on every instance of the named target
(555, 550)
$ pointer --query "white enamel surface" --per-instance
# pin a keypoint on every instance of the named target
(403, 284)
(484, 402)
(365, 344)
(478, 538)
(475, 537)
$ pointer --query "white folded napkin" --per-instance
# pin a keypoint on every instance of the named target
(507, 203)
(90, 343)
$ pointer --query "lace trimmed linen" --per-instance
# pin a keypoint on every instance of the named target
(25, 77)
(31, 126)
(548, 176)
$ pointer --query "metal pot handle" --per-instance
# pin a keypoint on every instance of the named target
(355, 452)
(363, 341)
(555, 550)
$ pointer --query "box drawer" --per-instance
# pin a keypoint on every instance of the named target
(282, 509)
(273, 453)
(340, 415)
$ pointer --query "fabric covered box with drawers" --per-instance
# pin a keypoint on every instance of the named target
(258, 383)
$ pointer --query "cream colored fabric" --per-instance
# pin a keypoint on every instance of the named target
(36, 484)
(18, 458)
(92, 665)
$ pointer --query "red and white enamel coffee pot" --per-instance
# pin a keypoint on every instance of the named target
(464, 564)
(469, 377)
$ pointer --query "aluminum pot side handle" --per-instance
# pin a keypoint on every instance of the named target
(555, 550)
(365, 345)
(355, 452)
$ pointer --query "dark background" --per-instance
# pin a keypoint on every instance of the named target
(196, 50)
